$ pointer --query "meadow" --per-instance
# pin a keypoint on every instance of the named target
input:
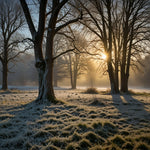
(80, 122)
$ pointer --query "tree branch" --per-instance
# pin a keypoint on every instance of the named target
(67, 23)
(69, 50)
(20, 52)
(28, 18)
(41, 25)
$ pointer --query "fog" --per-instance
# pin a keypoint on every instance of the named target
(23, 73)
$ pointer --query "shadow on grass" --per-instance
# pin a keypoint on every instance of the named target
(16, 126)
(131, 108)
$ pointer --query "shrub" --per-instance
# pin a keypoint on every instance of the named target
(91, 91)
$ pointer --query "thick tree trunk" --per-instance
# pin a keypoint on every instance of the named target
(48, 82)
(111, 78)
(111, 72)
(41, 71)
(48, 75)
(124, 84)
(5, 76)
(40, 66)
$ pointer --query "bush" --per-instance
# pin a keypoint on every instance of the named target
(91, 91)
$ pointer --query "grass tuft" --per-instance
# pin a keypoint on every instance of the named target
(118, 141)
(59, 142)
(70, 147)
(76, 137)
(144, 138)
(102, 134)
(127, 146)
(96, 102)
(83, 127)
(126, 133)
(97, 125)
(84, 144)
(142, 146)
(97, 147)
(110, 127)
(94, 138)
(91, 91)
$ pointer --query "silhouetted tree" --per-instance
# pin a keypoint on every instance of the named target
(98, 20)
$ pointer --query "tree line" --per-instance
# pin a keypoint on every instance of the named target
(120, 29)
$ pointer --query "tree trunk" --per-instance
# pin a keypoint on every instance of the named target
(40, 66)
(41, 71)
(48, 75)
(111, 78)
(74, 83)
(48, 82)
(74, 86)
(116, 77)
(5, 76)
(124, 84)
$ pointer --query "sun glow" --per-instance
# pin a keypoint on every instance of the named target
(104, 56)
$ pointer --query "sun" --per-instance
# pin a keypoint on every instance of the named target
(104, 56)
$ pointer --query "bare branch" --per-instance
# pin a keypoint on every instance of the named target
(67, 23)
(69, 50)
(28, 18)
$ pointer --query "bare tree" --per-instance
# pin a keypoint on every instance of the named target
(60, 65)
(11, 21)
(55, 23)
(122, 27)
(135, 27)
(98, 20)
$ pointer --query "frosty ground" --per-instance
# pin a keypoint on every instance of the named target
(82, 122)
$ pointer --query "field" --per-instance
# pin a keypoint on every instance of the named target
(82, 122)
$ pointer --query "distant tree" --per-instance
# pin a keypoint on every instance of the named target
(60, 70)
(144, 72)
(76, 60)
(11, 21)
(55, 23)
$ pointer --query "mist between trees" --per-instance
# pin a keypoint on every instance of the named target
(24, 73)
(88, 40)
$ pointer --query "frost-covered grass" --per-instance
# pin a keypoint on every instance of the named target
(82, 122)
